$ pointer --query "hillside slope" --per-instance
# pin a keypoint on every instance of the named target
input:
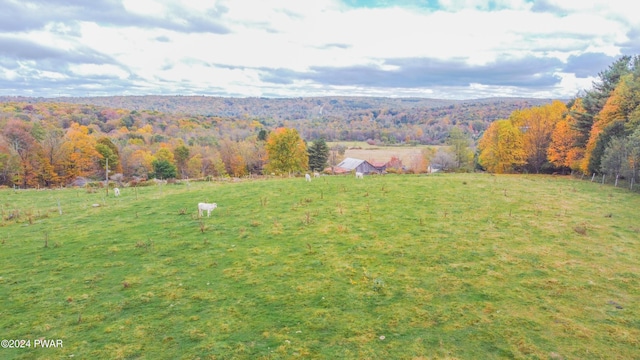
(464, 266)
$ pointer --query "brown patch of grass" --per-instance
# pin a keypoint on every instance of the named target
(580, 229)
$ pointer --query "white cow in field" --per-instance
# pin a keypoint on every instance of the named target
(116, 191)
(307, 177)
(359, 175)
(206, 207)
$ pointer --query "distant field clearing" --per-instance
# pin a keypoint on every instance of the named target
(377, 153)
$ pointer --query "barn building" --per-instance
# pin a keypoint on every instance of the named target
(362, 166)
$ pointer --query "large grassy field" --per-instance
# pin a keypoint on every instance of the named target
(444, 266)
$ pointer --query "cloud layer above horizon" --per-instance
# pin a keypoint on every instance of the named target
(449, 49)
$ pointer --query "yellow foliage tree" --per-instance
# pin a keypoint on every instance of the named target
(286, 152)
(194, 166)
(165, 153)
(147, 129)
(501, 147)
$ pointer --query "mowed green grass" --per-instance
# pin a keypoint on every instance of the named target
(443, 266)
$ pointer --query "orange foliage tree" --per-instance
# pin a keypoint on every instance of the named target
(80, 151)
(611, 112)
(232, 158)
(562, 151)
(537, 125)
(139, 163)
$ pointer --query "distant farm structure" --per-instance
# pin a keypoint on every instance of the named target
(360, 166)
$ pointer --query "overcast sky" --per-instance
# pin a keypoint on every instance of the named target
(450, 49)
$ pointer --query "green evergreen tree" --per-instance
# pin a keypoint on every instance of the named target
(163, 169)
(318, 155)
(262, 135)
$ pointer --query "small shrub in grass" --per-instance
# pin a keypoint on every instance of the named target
(307, 218)
(580, 229)
(144, 245)
(310, 250)
(378, 285)
(277, 227)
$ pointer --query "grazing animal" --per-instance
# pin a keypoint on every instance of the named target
(307, 177)
(116, 191)
(359, 175)
(316, 174)
(205, 206)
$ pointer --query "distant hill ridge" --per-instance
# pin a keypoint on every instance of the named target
(346, 107)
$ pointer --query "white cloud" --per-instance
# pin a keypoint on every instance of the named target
(90, 70)
(8, 74)
(145, 7)
(297, 37)
(570, 84)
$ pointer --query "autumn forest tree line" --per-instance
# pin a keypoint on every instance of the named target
(596, 133)
(45, 143)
